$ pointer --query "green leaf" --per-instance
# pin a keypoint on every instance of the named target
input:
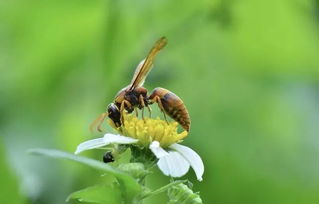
(137, 170)
(162, 189)
(129, 187)
(182, 194)
(98, 194)
(9, 188)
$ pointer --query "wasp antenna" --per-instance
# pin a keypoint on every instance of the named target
(98, 122)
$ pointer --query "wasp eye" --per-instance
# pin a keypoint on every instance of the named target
(108, 157)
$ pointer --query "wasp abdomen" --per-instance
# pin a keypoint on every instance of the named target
(173, 106)
(176, 109)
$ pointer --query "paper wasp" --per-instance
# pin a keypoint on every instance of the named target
(135, 96)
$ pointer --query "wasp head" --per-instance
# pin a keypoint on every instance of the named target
(114, 114)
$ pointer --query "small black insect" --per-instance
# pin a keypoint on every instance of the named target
(108, 157)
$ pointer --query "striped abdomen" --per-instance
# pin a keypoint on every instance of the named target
(172, 105)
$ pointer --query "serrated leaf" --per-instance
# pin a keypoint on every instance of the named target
(137, 170)
(182, 194)
(129, 187)
(100, 194)
(161, 189)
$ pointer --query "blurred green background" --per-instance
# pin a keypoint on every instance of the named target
(247, 71)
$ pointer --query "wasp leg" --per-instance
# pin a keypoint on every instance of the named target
(141, 100)
(149, 111)
(136, 112)
(98, 121)
(122, 108)
(160, 105)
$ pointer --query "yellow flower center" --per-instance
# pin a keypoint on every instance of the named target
(148, 130)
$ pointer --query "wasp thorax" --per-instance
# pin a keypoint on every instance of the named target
(132, 97)
(120, 96)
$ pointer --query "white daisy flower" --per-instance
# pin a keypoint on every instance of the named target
(160, 137)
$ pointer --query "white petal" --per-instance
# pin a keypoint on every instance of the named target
(118, 139)
(173, 164)
(192, 157)
(106, 140)
(157, 149)
(90, 144)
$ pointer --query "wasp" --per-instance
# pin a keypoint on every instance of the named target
(135, 96)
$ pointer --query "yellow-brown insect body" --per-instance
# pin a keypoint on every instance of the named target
(135, 96)
(172, 105)
(130, 99)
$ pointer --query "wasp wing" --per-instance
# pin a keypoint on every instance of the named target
(145, 65)
(137, 71)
